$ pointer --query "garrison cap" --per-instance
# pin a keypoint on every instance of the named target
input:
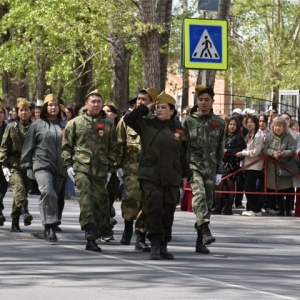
(165, 98)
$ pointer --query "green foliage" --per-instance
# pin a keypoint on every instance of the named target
(264, 45)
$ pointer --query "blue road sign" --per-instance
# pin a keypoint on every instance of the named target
(205, 44)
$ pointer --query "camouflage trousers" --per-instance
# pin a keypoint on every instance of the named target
(133, 205)
(93, 202)
(202, 201)
(21, 185)
(49, 185)
(161, 205)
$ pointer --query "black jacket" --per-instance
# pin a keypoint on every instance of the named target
(165, 148)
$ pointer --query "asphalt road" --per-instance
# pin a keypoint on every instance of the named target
(253, 258)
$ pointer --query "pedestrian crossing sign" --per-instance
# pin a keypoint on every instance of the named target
(204, 44)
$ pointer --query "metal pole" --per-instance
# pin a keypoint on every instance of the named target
(204, 77)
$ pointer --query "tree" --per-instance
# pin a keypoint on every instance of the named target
(264, 46)
(155, 18)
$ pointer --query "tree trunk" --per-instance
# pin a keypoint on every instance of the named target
(164, 18)
(155, 45)
(84, 81)
(120, 59)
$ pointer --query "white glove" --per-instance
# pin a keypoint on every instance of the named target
(107, 178)
(71, 173)
(218, 179)
(30, 174)
(6, 173)
(120, 174)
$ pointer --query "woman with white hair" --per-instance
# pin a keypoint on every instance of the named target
(279, 146)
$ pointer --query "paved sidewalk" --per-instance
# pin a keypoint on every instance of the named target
(253, 258)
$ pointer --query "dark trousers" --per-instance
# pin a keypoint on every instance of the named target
(279, 199)
(161, 205)
(253, 200)
(239, 188)
(3, 189)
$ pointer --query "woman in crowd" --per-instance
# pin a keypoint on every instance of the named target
(164, 161)
(240, 185)
(185, 113)
(263, 125)
(251, 155)
(41, 157)
(70, 113)
(296, 136)
(263, 130)
(12, 115)
(288, 118)
(294, 125)
(279, 145)
(37, 112)
(3, 182)
(234, 143)
(10, 154)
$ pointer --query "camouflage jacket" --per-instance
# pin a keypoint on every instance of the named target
(207, 135)
(89, 145)
(12, 143)
(42, 147)
(129, 147)
(165, 148)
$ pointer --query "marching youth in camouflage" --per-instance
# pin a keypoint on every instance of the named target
(164, 162)
(10, 154)
(89, 147)
(207, 136)
(41, 157)
(128, 156)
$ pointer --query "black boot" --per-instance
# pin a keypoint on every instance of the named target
(207, 237)
(219, 205)
(228, 209)
(140, 243)
(2, 218)
(92, 246)
(164, 251)
(155, 248)
(49, 233)
(27, 217)
(280, 205)
(90, 234)
(57, 228)
(127, 233)
(15, 225)
(200, 248)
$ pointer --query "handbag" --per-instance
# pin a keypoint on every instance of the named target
(291, 164)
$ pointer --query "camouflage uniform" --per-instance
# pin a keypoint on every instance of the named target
(207, 150)
(10, 154)
(128, 157)
(91, 157)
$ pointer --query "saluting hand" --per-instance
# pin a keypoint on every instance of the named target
(151, 105)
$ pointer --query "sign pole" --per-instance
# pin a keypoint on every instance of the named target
(203, 77)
